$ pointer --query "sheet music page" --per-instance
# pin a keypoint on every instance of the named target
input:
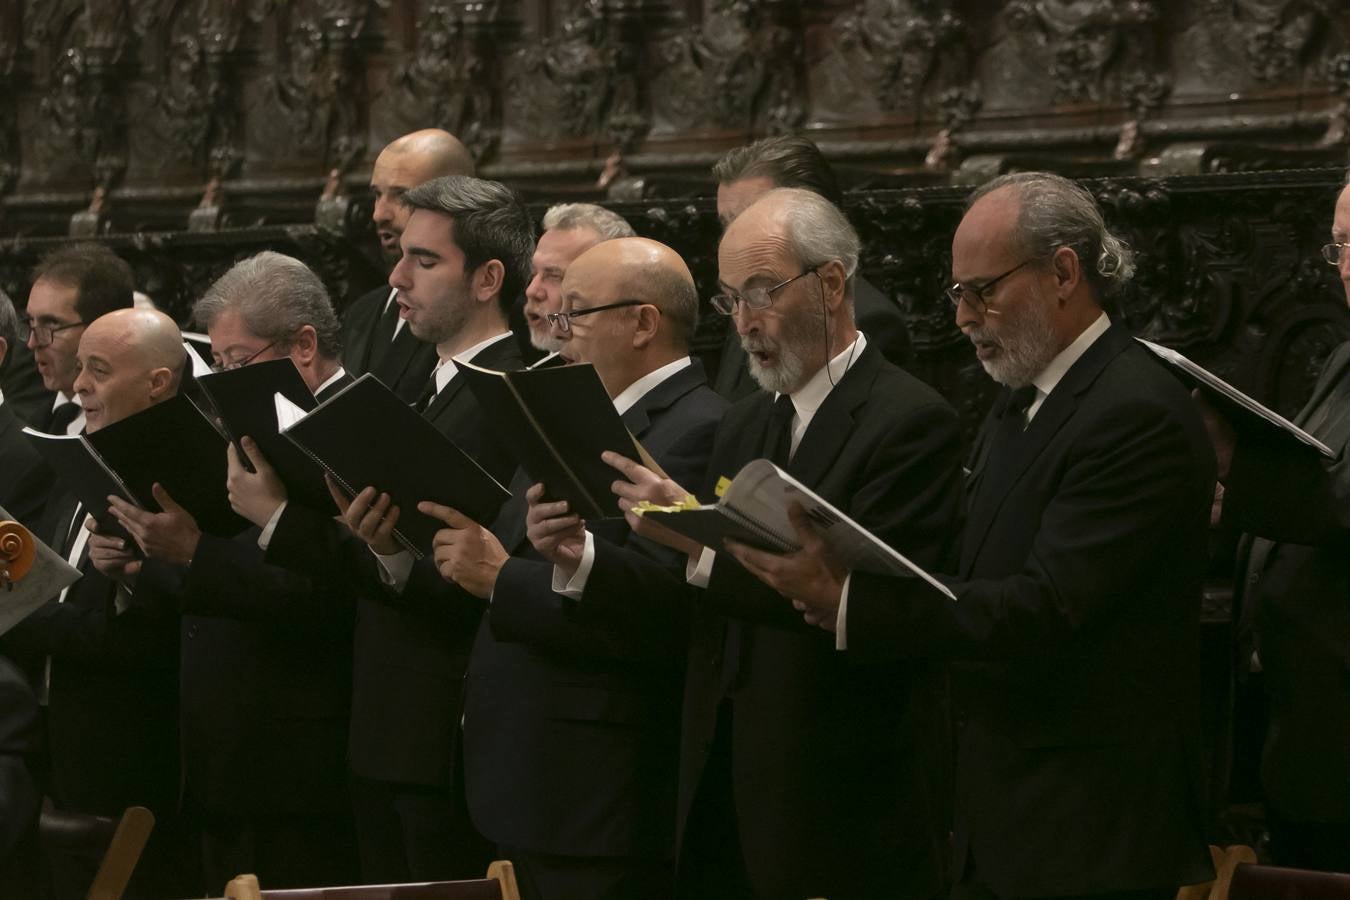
(49, 576)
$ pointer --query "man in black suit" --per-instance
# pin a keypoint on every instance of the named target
(265, 666)
(374, 336)
(570, 729)
(466, 251)
(1294, 579)
(106, 669)
(570, 229)
(803, 773)
(1075, 628)
(745, 174)
(72, 287)
(25, 480)
(20, 791)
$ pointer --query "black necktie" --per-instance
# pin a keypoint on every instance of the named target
(428, 395)
(62, 417)
(383, 337)
(778, 435)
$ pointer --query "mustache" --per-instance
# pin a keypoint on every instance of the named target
(758, 344)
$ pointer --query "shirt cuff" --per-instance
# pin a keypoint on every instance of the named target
(841, 617)
(266, 537)
(698, 571)
(573, 588)
(395, 569)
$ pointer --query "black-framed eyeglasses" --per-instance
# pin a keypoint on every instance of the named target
(42, 334)
(755, 297)
(1333, 252)
(240, 363)
(976, 295)
(563, 320)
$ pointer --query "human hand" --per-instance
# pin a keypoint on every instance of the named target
(254, 495)
(110, 555)
(465, 552)
(556, 534)
(640, 483)
(807, 577)
(370, 515)
(171, 536)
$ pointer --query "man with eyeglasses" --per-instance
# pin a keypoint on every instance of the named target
(569, 733)
(1075, 632)
(263, 651)
(1294, 578)
(803, 773)
(72, 287)
(465, 256)
(26, 481)
(103, 667)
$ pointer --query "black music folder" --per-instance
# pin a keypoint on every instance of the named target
(171, 443)
(366, 436)
(1245, 412)
(246, 401)
(558, 421)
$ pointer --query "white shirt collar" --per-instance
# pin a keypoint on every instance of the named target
(398, 325)
(445, 369)
(630, 395)
(331, 380)
(61, 400)
(810, 396)
(1058, 367)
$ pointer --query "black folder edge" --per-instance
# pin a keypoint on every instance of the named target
(94, 505)
(1248, 408)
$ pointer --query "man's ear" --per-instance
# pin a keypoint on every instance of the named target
(4, 353)
(161, 383)
(832, 283)
(1067, 269)
(305, 345)
(488, 280)
(648, 321)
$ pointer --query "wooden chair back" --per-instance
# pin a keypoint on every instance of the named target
(498, 884)
(116, 844)
(1253, 882)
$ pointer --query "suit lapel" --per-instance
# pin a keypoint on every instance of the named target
(1005, 468)
(832, 425)
(638, 418)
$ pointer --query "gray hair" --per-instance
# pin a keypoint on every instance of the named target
(9, 328)
(818, 231)
(1055, 212)
(490, 223)
(276, 295)
(567, 216)
(677, 298)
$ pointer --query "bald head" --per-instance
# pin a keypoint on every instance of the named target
(653, 326)
(129, 360)
(402, 165)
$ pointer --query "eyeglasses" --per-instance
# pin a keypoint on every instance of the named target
(563, 320)
(976, 295)
(1332, 253)
(42, 334)
(240, 363)
(753, 298)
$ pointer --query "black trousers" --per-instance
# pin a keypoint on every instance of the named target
(547, 876)
(283, 851)
(712, 864)
(408, 832)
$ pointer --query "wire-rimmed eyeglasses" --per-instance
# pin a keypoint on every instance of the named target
(1333, 252)
(563, 320)
(976, 295)
(240, 363)
(42, 333)
(755, 297)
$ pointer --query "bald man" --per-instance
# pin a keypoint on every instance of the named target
(107, 671)
(569, 739)
(374, 336)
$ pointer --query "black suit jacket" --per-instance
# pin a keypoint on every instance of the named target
(570, 728)
(408, 667)
(25, 480)
(1296, 581)
(877, 316)
(835, 762)
(1076, 628)
(407, 364)
(20, 793)
(23, 388)
(265, 673)
(112, 705)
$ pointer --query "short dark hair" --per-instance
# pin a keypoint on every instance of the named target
(102, 280)
(490, 223)
(788, 160)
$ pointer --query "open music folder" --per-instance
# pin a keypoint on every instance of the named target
(753, 509)
(36, 573)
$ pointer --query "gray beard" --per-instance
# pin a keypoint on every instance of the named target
(793, 349)
(1027, 344)
(548, 343)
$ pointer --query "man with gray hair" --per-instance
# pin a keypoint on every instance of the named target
(803, 773)
(570, 229)
(263, 651)
(1075, 632)
(374, 337)
(26, 480)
